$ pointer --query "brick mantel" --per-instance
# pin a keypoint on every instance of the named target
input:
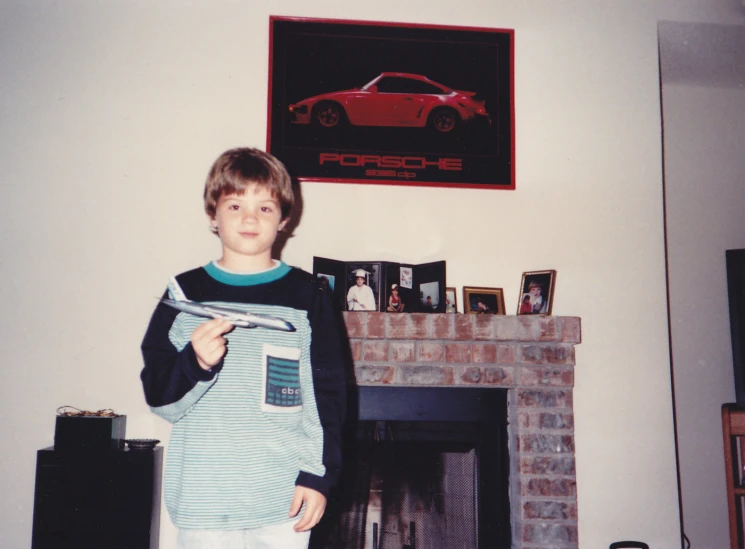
(530, 356)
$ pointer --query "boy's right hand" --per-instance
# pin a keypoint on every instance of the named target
(208, 342)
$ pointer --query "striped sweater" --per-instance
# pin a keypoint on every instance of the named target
(266, 418)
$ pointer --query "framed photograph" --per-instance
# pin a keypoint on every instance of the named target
(429, 283)
(394, 287)
(332, 274)
(451, 300)
(363, 286)
(392, 103)
(429, 296)
(536, 293)
(328, 281)
(483, 301)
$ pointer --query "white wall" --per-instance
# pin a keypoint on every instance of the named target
(705, 196)
(112, 113)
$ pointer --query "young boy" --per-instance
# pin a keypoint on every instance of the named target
(257, 413)
(537, 303)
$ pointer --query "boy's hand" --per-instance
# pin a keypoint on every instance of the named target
(315, 505)
(208, 342)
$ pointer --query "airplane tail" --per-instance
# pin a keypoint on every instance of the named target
(174, 290)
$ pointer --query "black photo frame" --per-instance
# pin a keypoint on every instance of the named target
(392, 103)
(414, 284)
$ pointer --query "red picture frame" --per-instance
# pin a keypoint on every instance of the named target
(392, 103)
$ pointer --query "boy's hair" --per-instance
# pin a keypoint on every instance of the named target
(534, 284)
(237, 169)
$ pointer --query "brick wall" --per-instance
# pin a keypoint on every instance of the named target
(532, 357)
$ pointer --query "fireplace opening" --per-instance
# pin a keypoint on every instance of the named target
(424, 468)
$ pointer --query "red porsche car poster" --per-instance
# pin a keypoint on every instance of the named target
(392, 103)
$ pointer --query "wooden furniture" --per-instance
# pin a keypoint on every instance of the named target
(96, 500)
(733, 432)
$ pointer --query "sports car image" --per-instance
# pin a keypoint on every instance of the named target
(392, 99)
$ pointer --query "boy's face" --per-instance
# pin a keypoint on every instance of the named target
(247, 225)
(535, 291)
(360, 281)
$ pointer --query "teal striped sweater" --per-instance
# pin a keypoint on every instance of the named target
(268, 417)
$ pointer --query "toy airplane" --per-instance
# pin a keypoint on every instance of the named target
(236, 317)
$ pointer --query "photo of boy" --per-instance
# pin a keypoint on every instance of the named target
(327, 281)
(483, 304)
(257, 413)
(536, 294)
(429, 297)
(479, 300)
(533, 301)
(360, 294)
(525, 307)
(395, 304)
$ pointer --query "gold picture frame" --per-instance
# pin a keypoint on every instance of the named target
(536, 293)
(478, 300)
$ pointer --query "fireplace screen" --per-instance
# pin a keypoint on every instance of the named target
(420, 485)
(422, 496)
(410, 494)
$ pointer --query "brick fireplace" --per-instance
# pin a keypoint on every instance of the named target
(532, 357)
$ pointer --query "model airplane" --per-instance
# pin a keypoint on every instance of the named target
(236, 317)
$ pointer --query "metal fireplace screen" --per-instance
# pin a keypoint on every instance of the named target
(437, 482)
(422, 496)
(407, 494)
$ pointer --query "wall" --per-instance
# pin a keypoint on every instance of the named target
(112, 112)
(705, 197)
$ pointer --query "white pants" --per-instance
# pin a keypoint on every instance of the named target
(274, 536)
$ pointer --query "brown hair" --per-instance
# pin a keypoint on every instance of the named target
(237, 169)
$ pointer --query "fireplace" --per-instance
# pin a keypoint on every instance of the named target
(463, 435)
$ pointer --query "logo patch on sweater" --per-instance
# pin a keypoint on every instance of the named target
(281, 369)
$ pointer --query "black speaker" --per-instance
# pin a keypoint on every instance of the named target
(97, 500)
(735, 260)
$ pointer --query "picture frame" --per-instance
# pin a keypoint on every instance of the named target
(478, 300)
(451, 300)
(392, 103)
(536, 293)
(363, 296)
(418, 288)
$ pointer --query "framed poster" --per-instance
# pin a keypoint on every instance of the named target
(392, 103)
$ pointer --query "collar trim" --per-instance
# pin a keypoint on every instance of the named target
(247, 279)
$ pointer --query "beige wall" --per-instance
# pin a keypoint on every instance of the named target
(704, 173)
(112, 112)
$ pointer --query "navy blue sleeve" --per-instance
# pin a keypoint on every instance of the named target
(328, 364)
(168, 374)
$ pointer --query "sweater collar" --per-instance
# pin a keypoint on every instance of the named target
(242, 279)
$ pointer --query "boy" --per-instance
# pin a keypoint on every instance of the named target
(360, 297)
(537, 303)
(256, 413)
